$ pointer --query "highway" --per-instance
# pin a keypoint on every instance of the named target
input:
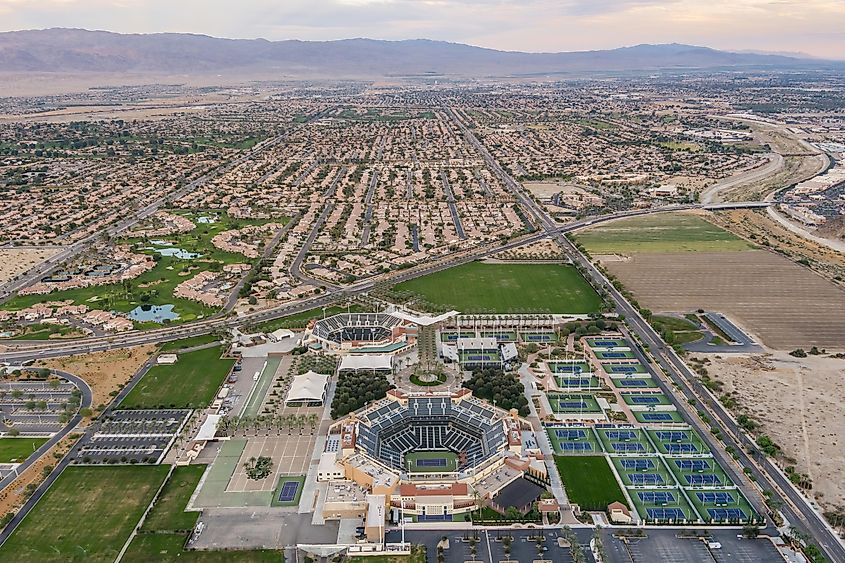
(796, 507)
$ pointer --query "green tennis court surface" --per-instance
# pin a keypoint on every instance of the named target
(431, 462)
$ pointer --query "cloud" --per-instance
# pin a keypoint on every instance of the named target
(813, 26)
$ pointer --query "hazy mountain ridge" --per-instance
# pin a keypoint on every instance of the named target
(74, 50)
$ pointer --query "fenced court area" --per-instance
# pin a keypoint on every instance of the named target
(634, 383)
(605, 342)
(698, 473)
(658, 417)
(675, 442)
(725, 505)
(453, 335)
(578, 382)
(614, 354)
(289, 490)
(440, 461)
(537, 337)
(623, 368)
(569, 440)
(645, 399)
(624, 440)
(571, 404)
(662, 505)
(479, 357)
(568, 367)
(500, 335)
(643, 471)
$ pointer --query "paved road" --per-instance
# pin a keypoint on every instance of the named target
(687, 388)
(89, 431)
(7, 289)
(773, 165)
(368, 210)
(453, 208)
(85, 402)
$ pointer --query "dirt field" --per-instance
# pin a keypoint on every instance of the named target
(759, 228)
(103, 371)
(15, 261)
(784, 304)
(800, 403)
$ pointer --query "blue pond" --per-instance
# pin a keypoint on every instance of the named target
(154, 313)
(177, 253)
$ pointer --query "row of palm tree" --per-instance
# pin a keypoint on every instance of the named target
(268, 423)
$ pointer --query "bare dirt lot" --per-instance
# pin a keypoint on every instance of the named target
(104, 372)
(15, 261)
(786, 305)
(799, 403)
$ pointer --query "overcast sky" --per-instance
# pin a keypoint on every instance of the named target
(816, 27)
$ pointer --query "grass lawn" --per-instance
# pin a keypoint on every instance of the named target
(158, 283)
(18, 449)
(85, 516)
(673, 323)
(189, 342)
(665, 232)
(189, 383)
(168, 513)
(164, 548)
(505, 288)
(589, 481)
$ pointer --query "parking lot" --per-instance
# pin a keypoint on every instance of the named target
(131, 436)
(37, 407)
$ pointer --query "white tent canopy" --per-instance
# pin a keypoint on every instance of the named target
(309, 386)
(377, 362)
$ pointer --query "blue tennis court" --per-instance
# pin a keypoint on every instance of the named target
(614, 355)
(726, 513)
(538, 337)
(434, 462)
(637, 464)
(620, 434)
(570, 434)
(645, 400)
(720, 497)
(572, 405)
(656, 416)
(570, 382)
(576, 447)
(288, 492)
(623, 369)
(671, 436)
(568, 369)
(700, 480)
(656, 497)
(633, 383)
(646, 478)
(605, 343)
(628, 447)
(681, 448)
(692, 464)
(665, 513)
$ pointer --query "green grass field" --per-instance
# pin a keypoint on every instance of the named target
(85, 516)
(189, 383)
(18, 449)
(168, 513)
(505, 288)
(676, 232)
(176, 345)
(413, 458)
(158, 283)
(167, 548)
(589, 481)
